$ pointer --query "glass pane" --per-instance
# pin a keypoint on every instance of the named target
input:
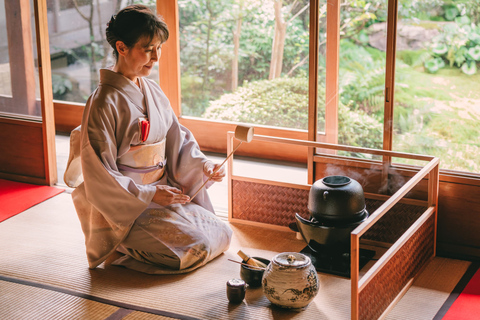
(78, 47)
(228, 71)
(19, 90)
(362, 73)
(437, 100)
(5, 82)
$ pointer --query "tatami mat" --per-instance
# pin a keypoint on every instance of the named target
(23, 301)
(45, 245)
(428, 292)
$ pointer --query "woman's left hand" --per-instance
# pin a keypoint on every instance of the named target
(210, 167)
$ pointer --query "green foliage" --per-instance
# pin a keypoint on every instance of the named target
(60, 85)
(362, 77)
(450, 127)
(280, 102)
(414, 58)
(194, 102)
(458, 44)
(426, 80)
(357, 128)
(455, 141)
(434, 64)
(469, 67)
(451, 12)
(283, 102)
(206, 32)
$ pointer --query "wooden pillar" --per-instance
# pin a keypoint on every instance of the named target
(389, 89)
(313, 88)
(332, 67)
(169, 64)
(46, 94)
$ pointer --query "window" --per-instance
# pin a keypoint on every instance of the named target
(78, 46)
(437, 76)
(19, 90)
(226, 71)
(245, 61)
(362, 58)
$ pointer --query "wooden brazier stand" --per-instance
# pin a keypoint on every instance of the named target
(402, 201)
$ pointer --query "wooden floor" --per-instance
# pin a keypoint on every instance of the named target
(44, 275)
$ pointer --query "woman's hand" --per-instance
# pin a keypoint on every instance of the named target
(167, 195)
(210, 167)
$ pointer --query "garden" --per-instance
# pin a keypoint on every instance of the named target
(229, 72)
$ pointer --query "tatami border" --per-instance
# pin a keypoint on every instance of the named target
(125, 307)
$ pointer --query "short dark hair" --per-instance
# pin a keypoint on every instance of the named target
(133, 23)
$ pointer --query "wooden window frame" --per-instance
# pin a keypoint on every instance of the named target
(26, 135)
(212, 135)
(215, 138)
(67, 115)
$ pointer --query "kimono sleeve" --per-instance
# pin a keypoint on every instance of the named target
(185, 159)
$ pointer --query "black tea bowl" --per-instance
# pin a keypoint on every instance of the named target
(251, 275)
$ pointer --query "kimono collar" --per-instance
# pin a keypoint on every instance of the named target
(154, 115)
(119, 82)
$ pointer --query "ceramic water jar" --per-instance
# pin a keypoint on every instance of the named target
(290, 280)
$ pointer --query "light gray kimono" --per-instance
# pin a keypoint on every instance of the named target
(113, 207)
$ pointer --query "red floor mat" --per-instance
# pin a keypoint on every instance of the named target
(16, 197)
(467, 305)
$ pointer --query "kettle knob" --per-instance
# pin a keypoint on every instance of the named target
(291, 258)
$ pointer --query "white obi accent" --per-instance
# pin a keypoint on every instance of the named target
(144, 163)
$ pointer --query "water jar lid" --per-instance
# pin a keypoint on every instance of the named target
(292, 259)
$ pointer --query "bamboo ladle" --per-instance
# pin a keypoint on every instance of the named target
(243, 134)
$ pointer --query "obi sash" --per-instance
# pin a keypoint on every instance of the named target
(144, 163)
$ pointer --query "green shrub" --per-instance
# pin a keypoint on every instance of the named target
(283, 102)
(458, 45)
(194, 101)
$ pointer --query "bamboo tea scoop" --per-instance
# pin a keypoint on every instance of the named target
(247, 265)
(243, 134)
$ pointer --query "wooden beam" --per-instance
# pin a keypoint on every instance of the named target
(390, 73)
(354, 275)
(332, 67)
(21, 151)
(68, 115)
(46, 95)
(389, 86)
(169, 64)
(313, 87)
(322, 145)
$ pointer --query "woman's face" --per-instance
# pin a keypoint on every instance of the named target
(139, 60)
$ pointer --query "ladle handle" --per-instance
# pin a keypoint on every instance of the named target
(215, 171)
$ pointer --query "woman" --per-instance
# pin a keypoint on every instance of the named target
(139, 164)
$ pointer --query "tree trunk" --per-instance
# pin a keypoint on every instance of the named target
(93, 67)
(278, 42)
(236, 48)
(207, 49)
